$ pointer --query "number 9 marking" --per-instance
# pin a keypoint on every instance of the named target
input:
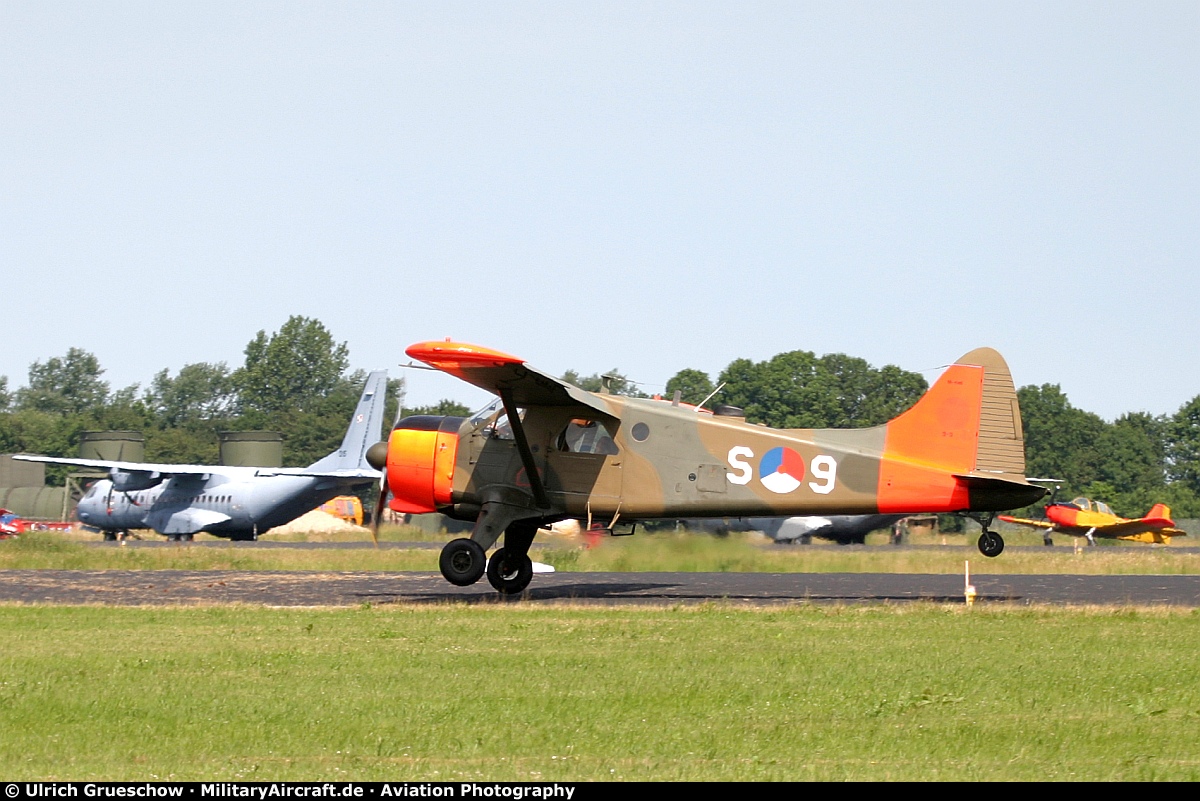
(825, 469)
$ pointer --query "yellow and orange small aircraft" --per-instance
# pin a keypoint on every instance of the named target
(1089, 519)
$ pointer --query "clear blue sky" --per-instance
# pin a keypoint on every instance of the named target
(588, 186)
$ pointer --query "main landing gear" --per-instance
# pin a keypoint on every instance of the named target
(510, 573)
(464, 561)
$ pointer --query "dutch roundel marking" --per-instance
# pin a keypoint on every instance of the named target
(781, 470)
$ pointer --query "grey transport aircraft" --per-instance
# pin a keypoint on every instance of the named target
(842, 529)
(180, 500)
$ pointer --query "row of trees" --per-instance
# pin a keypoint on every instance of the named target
(1132, 463)
(297, 381)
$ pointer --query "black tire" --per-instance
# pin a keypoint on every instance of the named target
(110, 536)
(185, 537)
(991, 544)
(509, 573)
(463, 562)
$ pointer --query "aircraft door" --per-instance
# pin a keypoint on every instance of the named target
(584, 463)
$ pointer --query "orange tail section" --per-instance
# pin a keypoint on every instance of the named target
(1160, 512)
(967, 427)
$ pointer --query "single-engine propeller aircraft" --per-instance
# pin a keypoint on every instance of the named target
(1089, 519)
(181, 500)
(546, 450)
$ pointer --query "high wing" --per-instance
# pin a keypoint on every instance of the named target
(500, 373)
(1020, 521)
(164, 470)
(346, 473)
(128, 467)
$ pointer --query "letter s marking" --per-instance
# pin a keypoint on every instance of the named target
(744, 471)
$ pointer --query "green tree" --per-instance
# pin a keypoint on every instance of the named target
(799, 390)
(617, 382)
(5, 397)
(291, 371)
(693, 386)
(1132, 454)
(1060, 441)
(443, 408)
(1183, 445)
(199, 392)
(67, 385)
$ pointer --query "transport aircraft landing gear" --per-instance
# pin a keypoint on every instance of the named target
(510, 573)
(463, 562)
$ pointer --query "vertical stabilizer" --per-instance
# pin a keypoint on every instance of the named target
(1160, 511)
(366, 428)
(968, 422)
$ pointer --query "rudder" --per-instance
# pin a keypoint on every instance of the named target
(969, 421)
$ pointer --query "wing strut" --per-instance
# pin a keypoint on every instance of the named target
(518, 428)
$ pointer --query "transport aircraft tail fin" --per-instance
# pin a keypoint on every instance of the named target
(365, 428)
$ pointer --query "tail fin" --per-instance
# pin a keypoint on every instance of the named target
(366, 427)
(968, 422)
(1159, 511)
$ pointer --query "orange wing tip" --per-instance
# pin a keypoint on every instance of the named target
(451, 354)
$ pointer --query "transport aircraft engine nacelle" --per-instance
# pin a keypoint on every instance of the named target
(133, 480)
(420, 463)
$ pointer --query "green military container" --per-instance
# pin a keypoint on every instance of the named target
(35, 503)
(21, 474)
(251, 448)
(113, 446)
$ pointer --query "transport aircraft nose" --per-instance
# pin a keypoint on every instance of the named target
(420, 462)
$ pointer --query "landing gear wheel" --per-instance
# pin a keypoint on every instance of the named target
(990, 543)
(509, 573)
(463, 562)
(110, 536)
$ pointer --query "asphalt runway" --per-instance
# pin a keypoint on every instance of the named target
(309, 589)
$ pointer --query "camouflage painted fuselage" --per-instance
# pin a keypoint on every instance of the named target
(602, 456)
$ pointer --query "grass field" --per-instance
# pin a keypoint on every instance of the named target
(521, 692)
(643, 552)
(526, 693)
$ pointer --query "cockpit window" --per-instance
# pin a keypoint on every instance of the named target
(1082, 504)
(494, 421)
(587, 436)
(486, 413)
(1101, 506)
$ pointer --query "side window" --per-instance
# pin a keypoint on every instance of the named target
(586, 436)
(501, 428)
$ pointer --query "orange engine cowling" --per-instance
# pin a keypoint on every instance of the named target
(420, 463)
